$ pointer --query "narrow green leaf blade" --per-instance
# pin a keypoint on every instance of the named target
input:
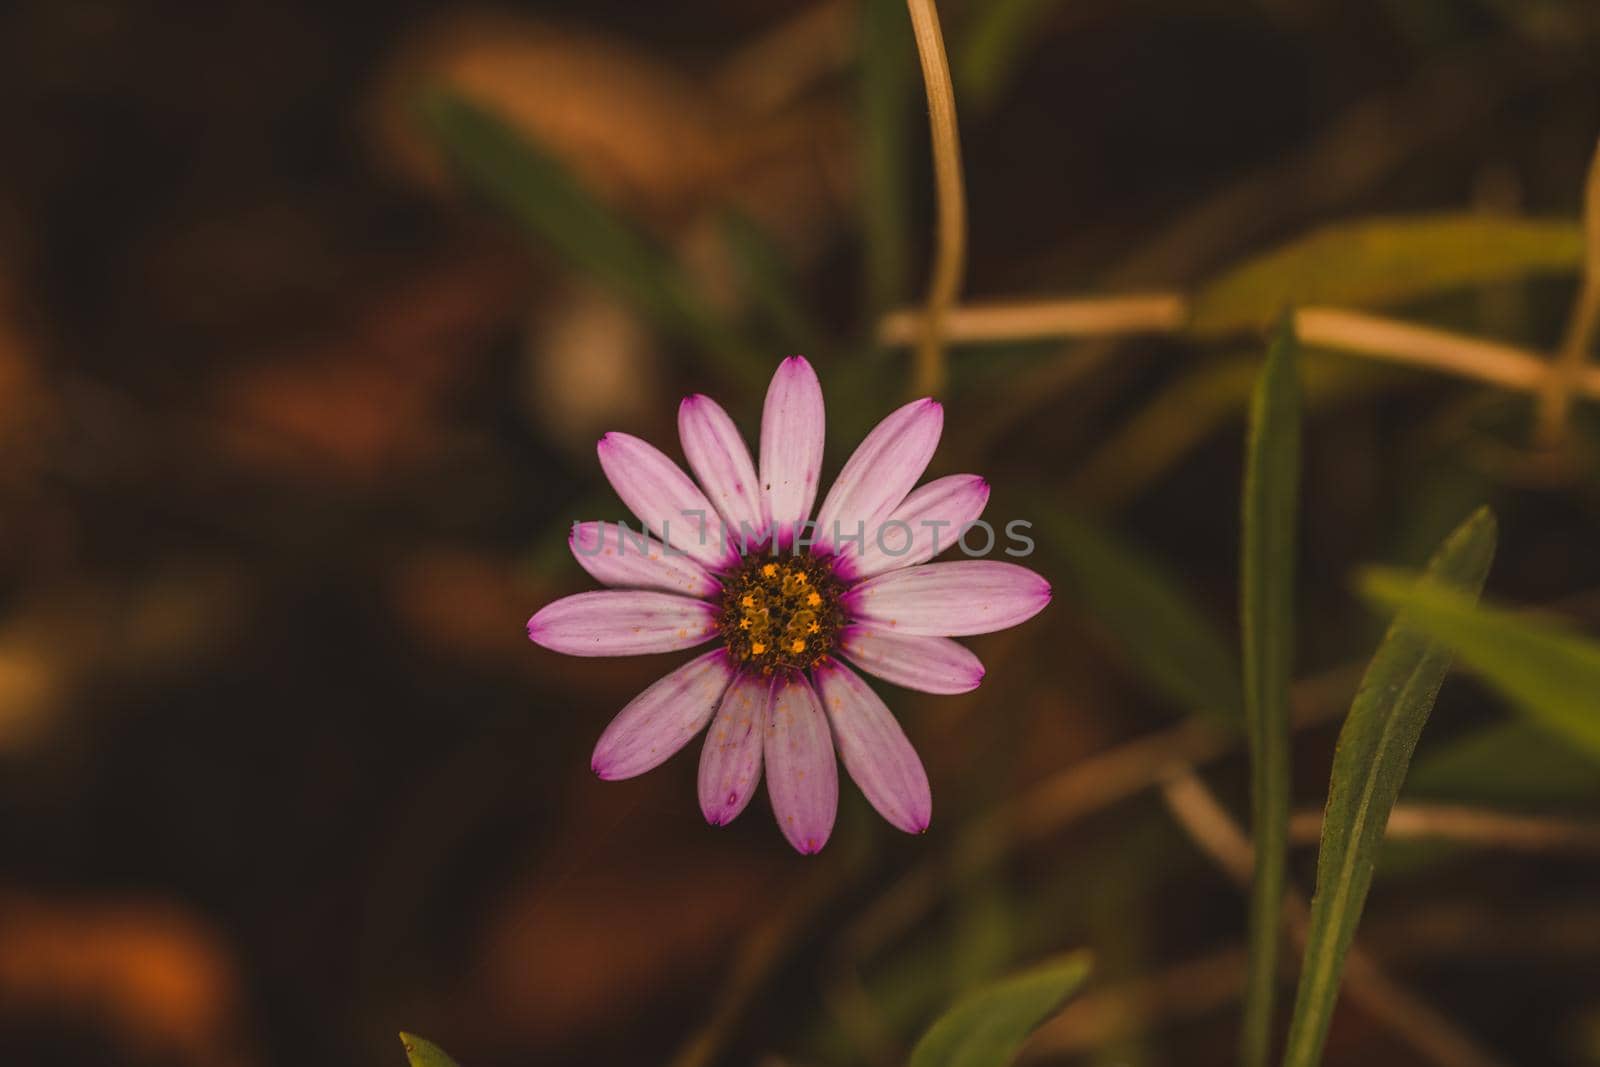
(1147, 610)
(538, 191)
(1267, 572)
(1544, 669)
(1385, 261)
(1375, 746)
(424, 1053)
(988, 1027)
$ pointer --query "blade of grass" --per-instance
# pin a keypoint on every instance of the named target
(1270, 507)
(1385, 261)
(1546, 670)
(422, 1053)
(1375, 747)
(987, 1028)
(537, 190)
(1147, 610)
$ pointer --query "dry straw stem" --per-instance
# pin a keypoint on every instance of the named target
(1353, 332)
(1209, 825)
(1474, 826)
(1376, 337)
(1023, 321)
(951, 251)
(1556, 398)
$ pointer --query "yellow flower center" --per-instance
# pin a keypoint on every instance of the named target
(780, 613)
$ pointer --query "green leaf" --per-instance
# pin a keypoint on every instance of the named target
(1385, 261)
(1147, 610)
(988, 1027)
(1512, 763)
(537, 190)
(1546, 670)
(1267, 573)
(423, 1053)
(1375, 745)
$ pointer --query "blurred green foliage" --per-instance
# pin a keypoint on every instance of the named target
(543, 197)
(1384, 262)
(1546, 670)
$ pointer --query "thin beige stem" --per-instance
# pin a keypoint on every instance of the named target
(951, 251)
(1209, 825)
(1355, 333)
(1045, 319)
(1488, 829)
(1555, 401)
(1358, 333)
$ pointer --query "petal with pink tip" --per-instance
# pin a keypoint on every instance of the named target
(927, 664)
(976, 596)
(730, 762)
(622, 622)
(661, 720)
(929, 521)
(877, 477)
(792, 427)
(874, 749)
(719, 458)
(631, 559)
(802, 774)
(664, 498)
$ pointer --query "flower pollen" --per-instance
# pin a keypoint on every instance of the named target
(780, 613)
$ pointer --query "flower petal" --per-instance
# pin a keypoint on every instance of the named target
(929, 521)
(622, 622)
(881, 472)
(976, 596)
(631, 559)
(719, 458)
(874, 749)
(802, 774)
(657, 491)
(927, 664)
(730, 762)
(663, 718)
(792, 426)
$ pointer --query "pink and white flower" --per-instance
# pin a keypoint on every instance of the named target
(792, 603)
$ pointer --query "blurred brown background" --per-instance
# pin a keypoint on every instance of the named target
(290, 429)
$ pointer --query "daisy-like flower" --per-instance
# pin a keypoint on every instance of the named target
(790, 601)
